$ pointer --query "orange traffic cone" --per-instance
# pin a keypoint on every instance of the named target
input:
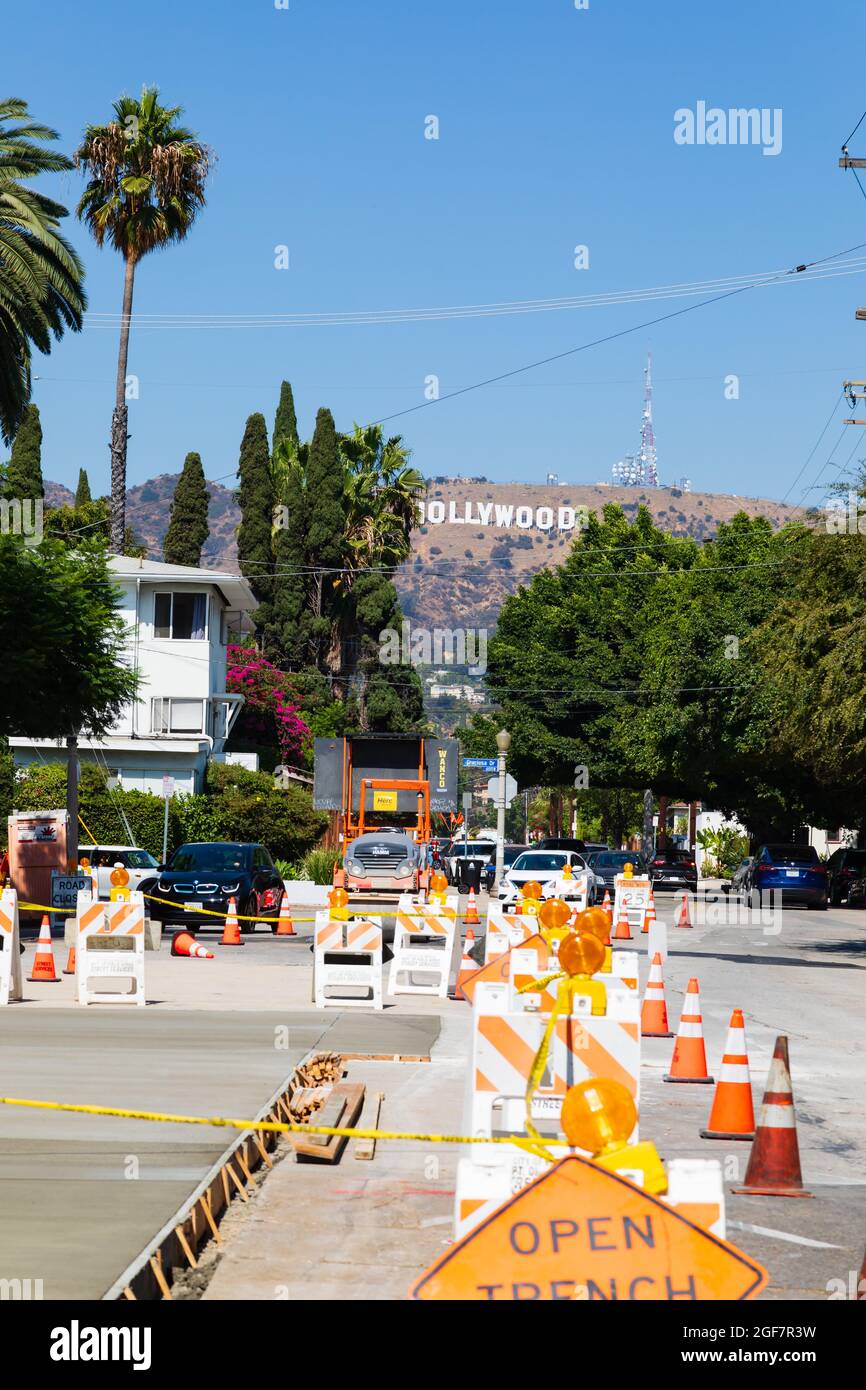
(231, 932)
(285, 926)
(468, 940)
(472, 917)
(649, 914)
(623, 931)
(183, 943)
(606, 906)
(654, 1011)
(683, 918)
(43, 962)
(732, 1115)
(69, 967)
(774, 1163)
(690, 1058)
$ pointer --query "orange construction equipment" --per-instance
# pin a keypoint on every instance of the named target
(183, 943)
(774, 1163)
(733, 1115)
(43, 962)
(606, 905)
(472, 918)
(690, 1058)
(654, 1010)
(285, 925)
(683, 918)
(232, 932)
(649, 914)
(69, 967)
(623, 931)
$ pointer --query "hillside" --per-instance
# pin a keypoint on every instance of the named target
(463, 566)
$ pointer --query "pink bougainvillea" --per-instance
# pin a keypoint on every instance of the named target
(268, 711)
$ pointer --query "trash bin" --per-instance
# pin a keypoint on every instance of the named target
(473, 874)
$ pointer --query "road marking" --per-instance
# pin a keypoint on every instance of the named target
(784, 1235)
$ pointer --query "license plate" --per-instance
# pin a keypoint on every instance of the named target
(191, 907)
(793, 873)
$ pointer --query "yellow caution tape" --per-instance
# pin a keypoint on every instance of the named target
(281, 1127)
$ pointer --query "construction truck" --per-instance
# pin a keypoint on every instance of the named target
(382, 791)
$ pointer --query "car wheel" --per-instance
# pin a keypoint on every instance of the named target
(247, 908)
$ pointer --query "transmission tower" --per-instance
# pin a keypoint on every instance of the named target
(647, 455)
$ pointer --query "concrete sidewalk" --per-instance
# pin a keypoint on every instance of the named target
(361, 1230)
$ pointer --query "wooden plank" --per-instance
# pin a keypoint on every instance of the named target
(331, 1113)
(352, 1094)
(366, 1148)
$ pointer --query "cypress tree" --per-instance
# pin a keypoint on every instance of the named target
(325, 527)
(290, 633)
(187, 528)
(285, 420)
(24, 474)
(256, 498)
(82, 492)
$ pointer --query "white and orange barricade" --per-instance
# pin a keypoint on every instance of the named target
(504, 930)
(535, 958)
(426, 947)
(696, 1189)
(109, 946)
(11, 974)
(347, 962)
(633, 895)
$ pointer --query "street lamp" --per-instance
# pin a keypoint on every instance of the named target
(503, 743)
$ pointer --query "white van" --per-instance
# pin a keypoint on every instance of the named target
(138, 863)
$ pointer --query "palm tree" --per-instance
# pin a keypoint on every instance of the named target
(41, 276)
(146, 178)
(382, 491)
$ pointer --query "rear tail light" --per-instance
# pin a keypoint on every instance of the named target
(766, 868)
(658, 863)
(820, 869)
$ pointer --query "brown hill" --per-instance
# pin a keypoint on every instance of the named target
(463, 567)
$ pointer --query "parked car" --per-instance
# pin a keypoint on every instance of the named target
(843, 867)
(104, 858)
(544, 866)
(208, 875)
(563, 842)
(737, 885)
(607, 864)
(594, 847)
(509, 854)
(674, 868)
(794, 872)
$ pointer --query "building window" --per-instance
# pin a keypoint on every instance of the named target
(180, 617)
(173, 716)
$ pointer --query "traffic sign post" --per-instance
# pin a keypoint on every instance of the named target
(581, 1232)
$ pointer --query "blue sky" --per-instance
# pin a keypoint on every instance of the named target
(556, 129)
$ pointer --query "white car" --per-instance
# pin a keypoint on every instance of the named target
(545, 866)
(137, 862)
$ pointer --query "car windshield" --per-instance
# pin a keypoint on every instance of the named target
(140, 859)
(512, 852)
(616, 860)
(792, 854)
(213, 858)
(540, 863)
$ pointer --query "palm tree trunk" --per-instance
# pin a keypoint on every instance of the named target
(119, 433)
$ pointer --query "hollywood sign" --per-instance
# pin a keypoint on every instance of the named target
(504, 516)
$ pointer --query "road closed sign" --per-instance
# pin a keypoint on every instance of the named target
(579, 1232)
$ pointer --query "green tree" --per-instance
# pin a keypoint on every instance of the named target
(24, 472)
(41, 276)
(326, 521)
(146, 178)
(82, 492)
(285, 420)
(64, 667)
(256, 499)
(188, 526)
(288, 637)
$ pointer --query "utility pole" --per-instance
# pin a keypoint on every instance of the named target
(647, 837)
(503, 743)
(72, 803)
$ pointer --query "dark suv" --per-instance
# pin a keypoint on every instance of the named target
(208, 876)
(843, 867)
(674, 868)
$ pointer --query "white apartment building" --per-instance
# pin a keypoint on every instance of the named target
(178, 618)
